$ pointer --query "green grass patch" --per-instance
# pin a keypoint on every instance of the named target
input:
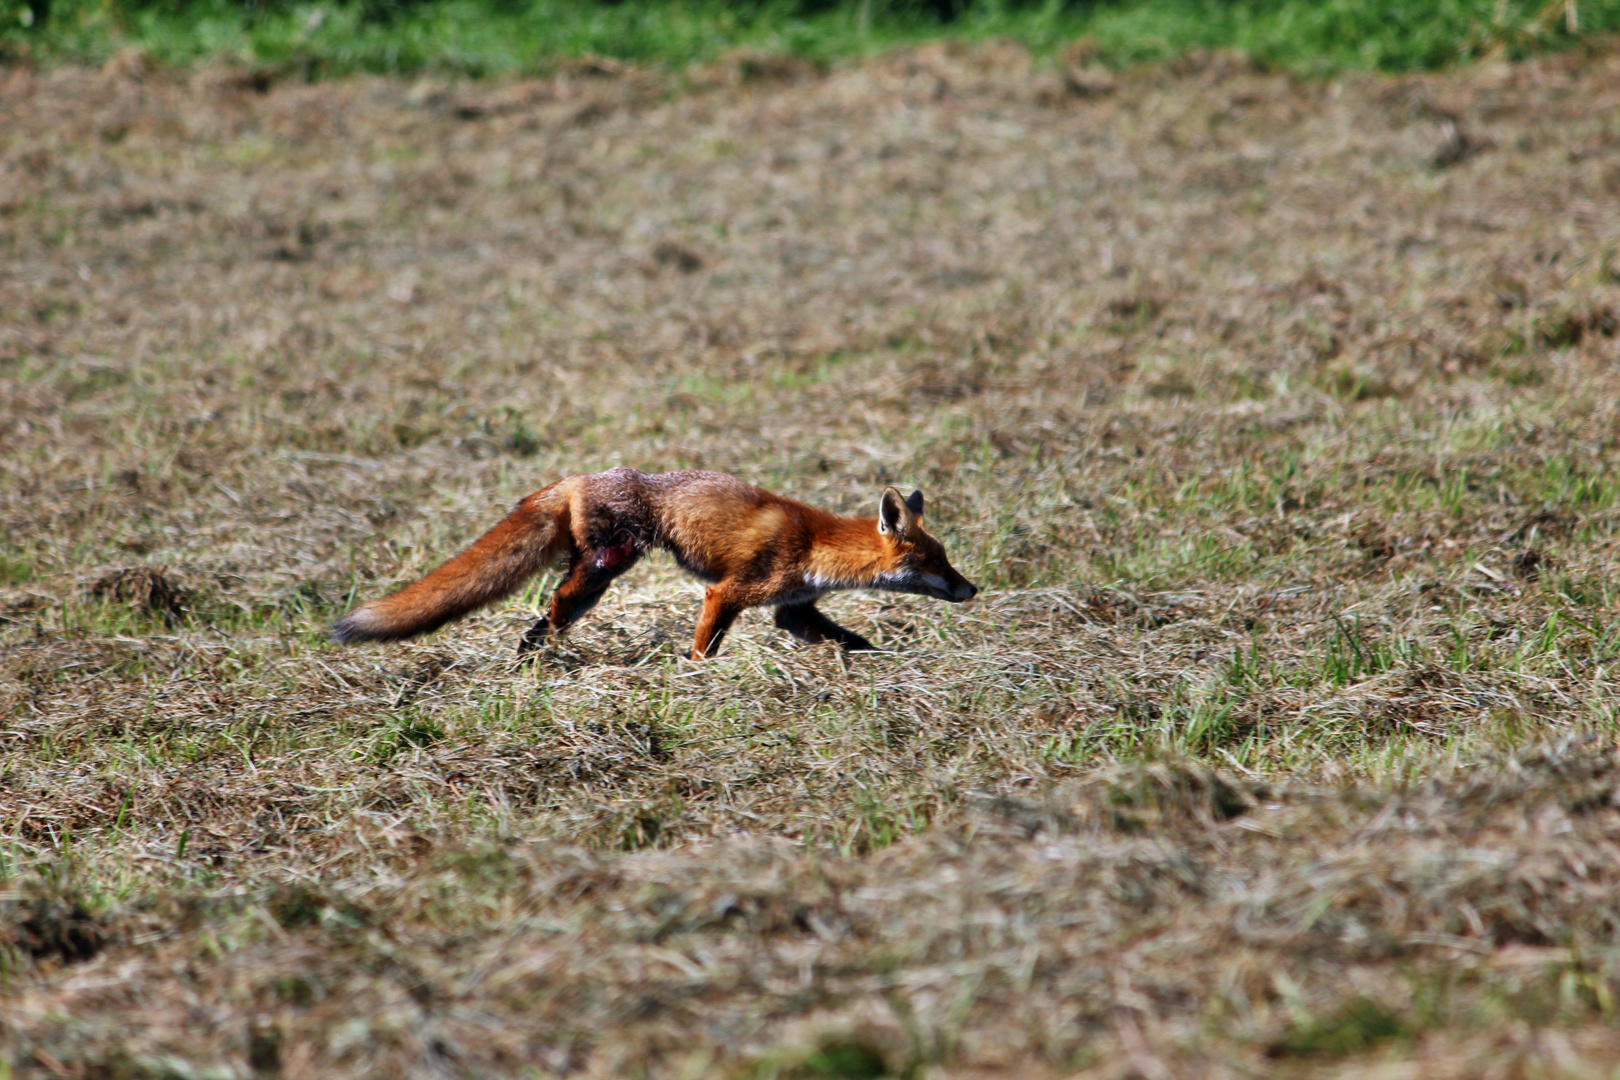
(485, 37)
(16, 568)
(1359, 1028)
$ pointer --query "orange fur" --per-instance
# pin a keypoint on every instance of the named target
(755, 548)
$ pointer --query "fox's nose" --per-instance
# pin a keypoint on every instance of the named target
(965, 591)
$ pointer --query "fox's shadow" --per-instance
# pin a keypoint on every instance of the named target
(618, 645)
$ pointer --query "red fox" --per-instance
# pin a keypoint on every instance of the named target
(754, 548)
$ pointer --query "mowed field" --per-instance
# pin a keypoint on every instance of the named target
(1275, 420)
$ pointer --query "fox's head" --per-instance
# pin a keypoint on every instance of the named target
(917, 560)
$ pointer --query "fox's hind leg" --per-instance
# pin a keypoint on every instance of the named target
(804, 622)
(589, 575)
(535, 636)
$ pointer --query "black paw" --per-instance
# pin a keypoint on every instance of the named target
(535, 636)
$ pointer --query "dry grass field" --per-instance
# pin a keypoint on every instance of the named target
(1275, 419)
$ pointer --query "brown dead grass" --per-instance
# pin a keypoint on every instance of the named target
(1274, 417)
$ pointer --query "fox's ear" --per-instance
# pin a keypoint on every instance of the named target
(895, 517)
(914, 502)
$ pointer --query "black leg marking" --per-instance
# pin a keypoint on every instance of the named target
(535, 636)
(804, 622)
(721, 625)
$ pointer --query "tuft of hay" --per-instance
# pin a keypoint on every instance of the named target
(52, 927)
(155, 590)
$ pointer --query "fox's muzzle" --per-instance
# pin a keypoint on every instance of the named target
(942, 588)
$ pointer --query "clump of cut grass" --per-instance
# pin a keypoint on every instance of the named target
(49, 928)
(149, 590)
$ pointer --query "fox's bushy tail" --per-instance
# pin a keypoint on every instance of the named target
(501, 560)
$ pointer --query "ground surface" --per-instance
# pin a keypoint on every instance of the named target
(1274, 419)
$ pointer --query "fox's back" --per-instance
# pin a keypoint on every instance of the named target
(714, 524)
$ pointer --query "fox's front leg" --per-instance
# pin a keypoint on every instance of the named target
(806, 623)
(720, 610)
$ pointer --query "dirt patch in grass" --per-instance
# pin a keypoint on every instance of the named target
(1276, 431)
